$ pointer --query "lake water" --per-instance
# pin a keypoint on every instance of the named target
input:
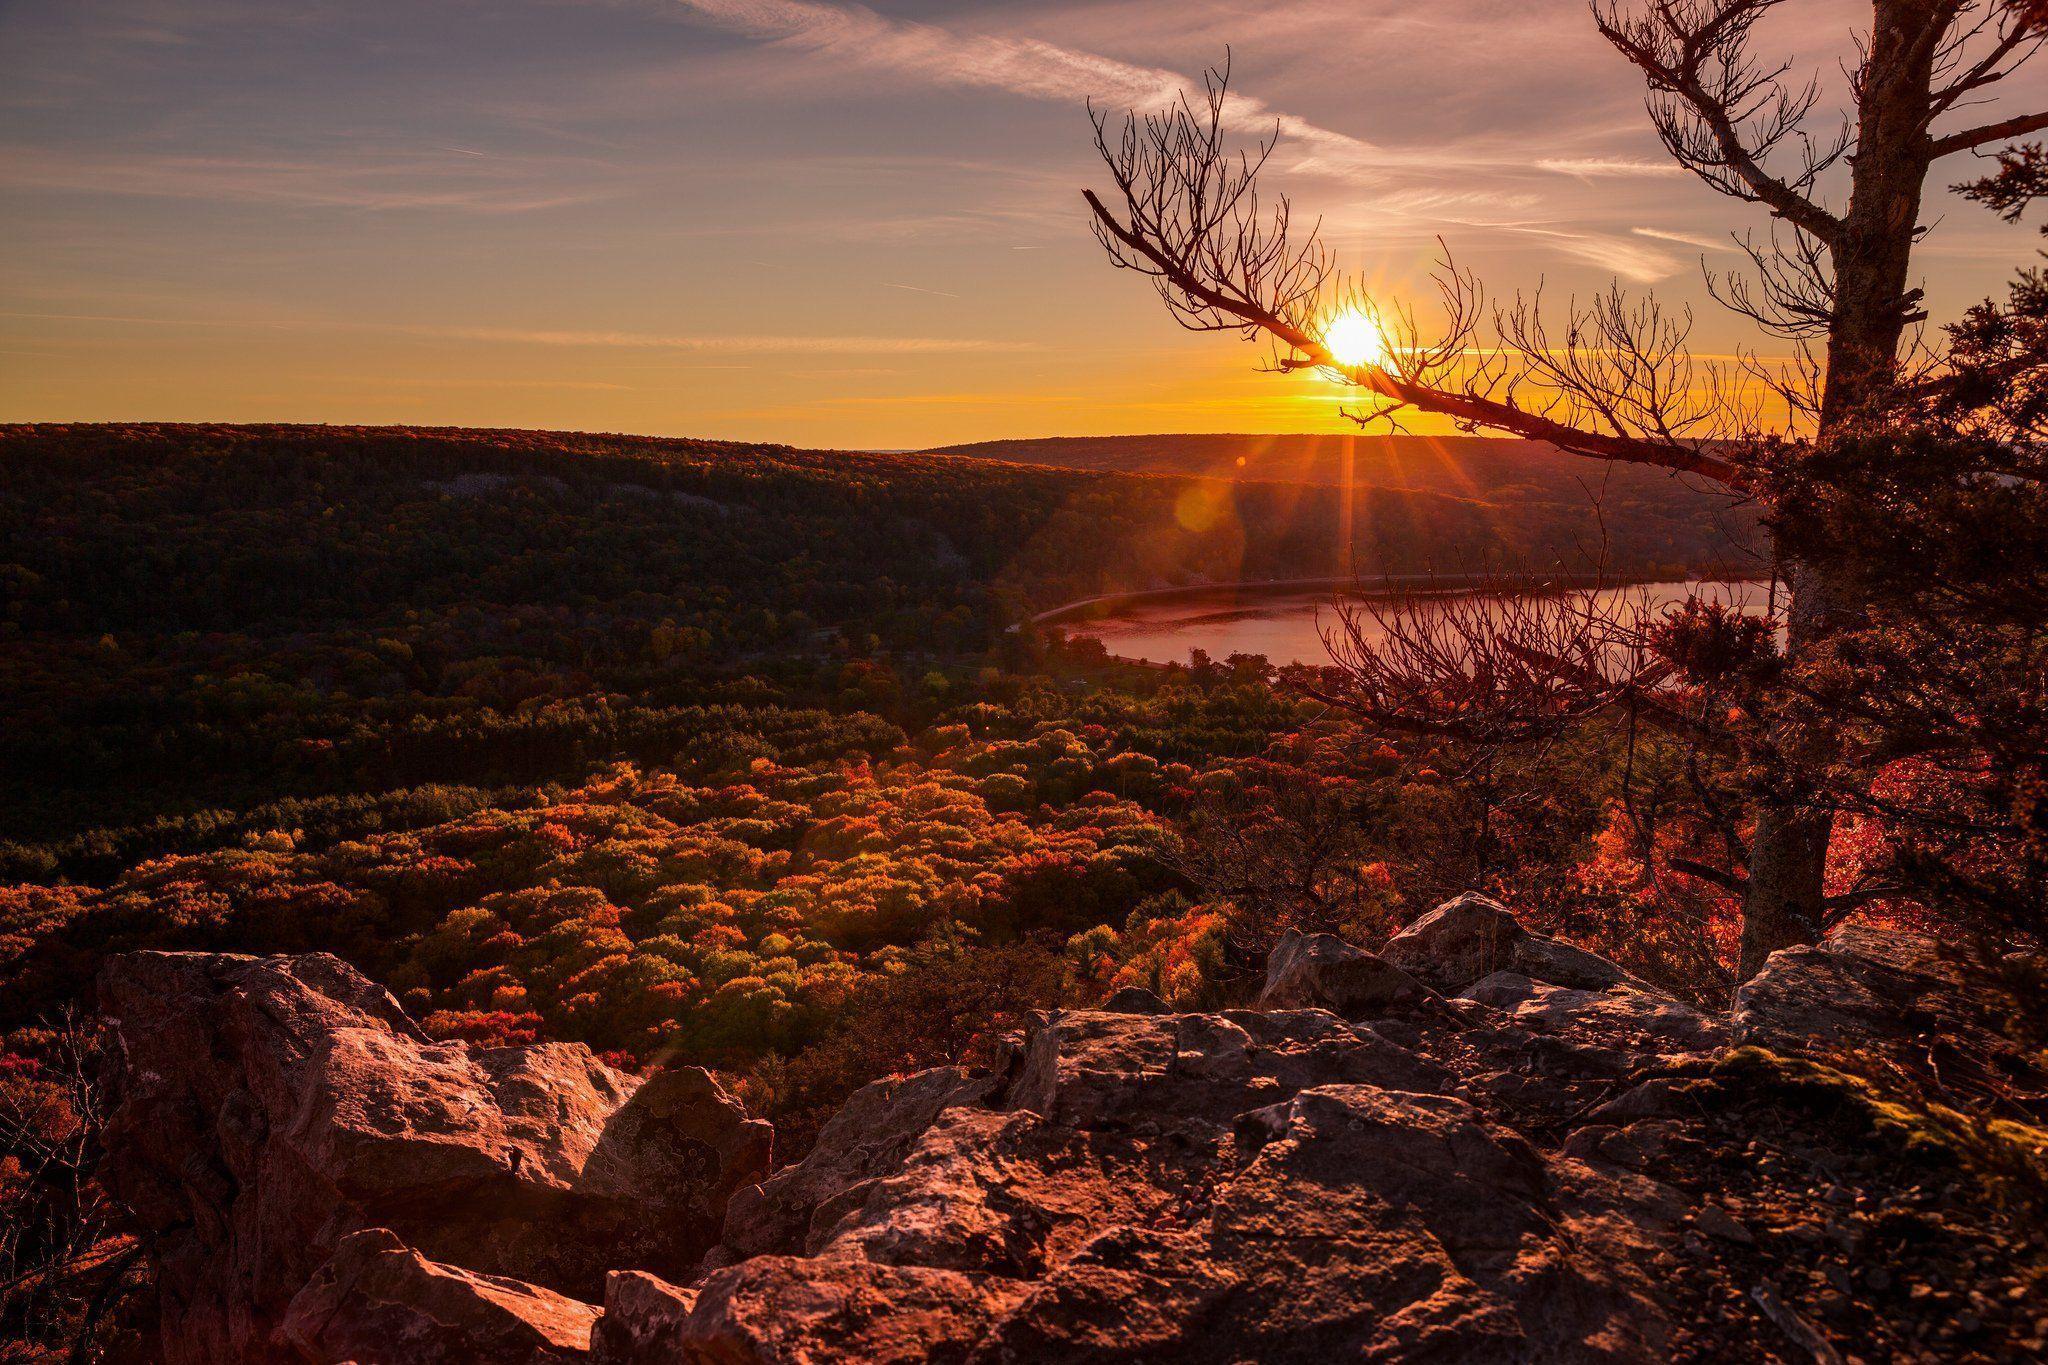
(1285, 626)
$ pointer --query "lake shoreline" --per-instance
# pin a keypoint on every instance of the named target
(1289, 623)
(1106, 604)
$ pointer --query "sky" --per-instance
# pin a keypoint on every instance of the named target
(807, 221)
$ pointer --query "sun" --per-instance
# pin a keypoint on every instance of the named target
(1354, 340)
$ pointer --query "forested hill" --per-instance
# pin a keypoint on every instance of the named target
(1458, 466)
(202, 618)
(277, 505)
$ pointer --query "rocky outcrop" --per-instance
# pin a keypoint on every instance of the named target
(1343, 1216)
(1464, 940)
(1274, 1184)
(270, 1107)
(1521, 1168)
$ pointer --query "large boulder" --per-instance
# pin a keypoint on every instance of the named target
(269, 1107)
(1457, 943)
(1472, 937)
(379, 1300)
(1322, 971)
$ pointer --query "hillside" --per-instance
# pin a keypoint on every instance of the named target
(1483, 467)
(1625, 511)
(201, 618)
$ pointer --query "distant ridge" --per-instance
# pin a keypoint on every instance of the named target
(1463, 466)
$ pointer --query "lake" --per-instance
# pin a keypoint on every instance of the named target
(1283, 624)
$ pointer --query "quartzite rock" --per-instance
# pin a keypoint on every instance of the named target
(269, 1107)
(1617, 1017)
(1322, 971)
(1464, 940)
(379, 1300)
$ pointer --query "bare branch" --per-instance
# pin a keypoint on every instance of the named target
(1720, 113)
(1795, 293)
(2017, 35)
(2003, 131)
(1491, 667)
(1618, 386)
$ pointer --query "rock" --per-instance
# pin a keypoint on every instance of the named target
(1464, 940)
(869, 1136)
(1933, 1008)
(1560, 964)
(1457, 943)
(643, 1319)
(269, 1107)
(1858, 983)
(379, 1300)
(1134, 1000)
(781, 1308)
(1661, 1097)
(1408, 1226)
(1617, 1017)
(1197, 1072)
(1645, 1146)
(1322, 971)
(1242, 1186)
(1715, 1221)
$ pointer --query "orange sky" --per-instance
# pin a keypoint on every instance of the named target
(809, 221)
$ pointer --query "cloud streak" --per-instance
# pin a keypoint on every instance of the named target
(398, 180)
(582, 340)
(764, 345)
(1026, 67)
(1683, 239)
(1609, 167)
(1631, 260)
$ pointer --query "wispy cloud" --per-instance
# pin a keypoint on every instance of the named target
(1411, 187)
(1608, 167)
(388, 180)
(811, 345)
(550, 337)
(1027, 67)
(1704, 243)
(1631, 260)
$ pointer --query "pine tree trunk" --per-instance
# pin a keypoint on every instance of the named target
(1785, 903)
